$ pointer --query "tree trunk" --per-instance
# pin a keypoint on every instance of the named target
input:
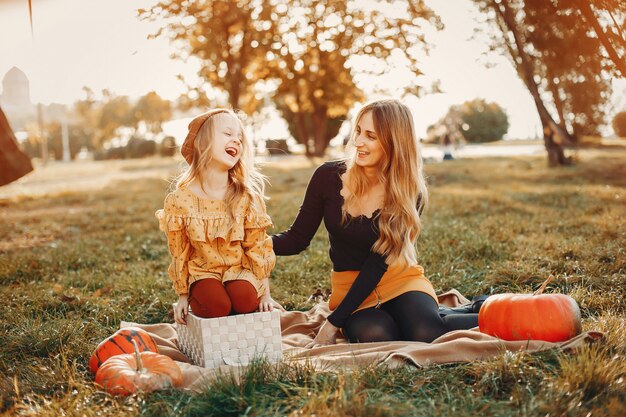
(590, 17)
(303, 133)
(235, 91)
(13, 162)
(319, 125)
(556, 153)
(240, 63)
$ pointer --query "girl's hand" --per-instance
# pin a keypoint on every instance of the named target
(327, 335)
(267, 303)
(180, 311)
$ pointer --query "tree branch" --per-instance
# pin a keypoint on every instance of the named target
(585, 10)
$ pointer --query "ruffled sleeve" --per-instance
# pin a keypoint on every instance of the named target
(257, 245)
(172, 222)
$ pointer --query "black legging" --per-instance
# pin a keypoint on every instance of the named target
(411, 316)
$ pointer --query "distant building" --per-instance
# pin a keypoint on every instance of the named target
(15, 90)
(15, 98)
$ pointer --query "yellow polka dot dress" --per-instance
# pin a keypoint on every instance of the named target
(205, 242)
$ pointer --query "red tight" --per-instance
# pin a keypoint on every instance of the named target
(210, 298)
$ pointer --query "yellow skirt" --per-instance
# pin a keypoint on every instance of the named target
(396, 281)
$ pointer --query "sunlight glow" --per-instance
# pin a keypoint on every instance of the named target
(102, 44)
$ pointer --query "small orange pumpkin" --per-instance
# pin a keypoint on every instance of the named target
(140, 371)
(549, 317)
(119, 343)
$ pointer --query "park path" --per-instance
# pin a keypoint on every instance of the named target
(58, 177)
(485, 151)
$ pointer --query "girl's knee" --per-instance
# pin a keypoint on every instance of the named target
(243, 296)
(208, 309)
(208, 299)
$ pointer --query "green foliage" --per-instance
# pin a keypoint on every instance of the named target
(619, 124)
(73, 265)
(481, 121)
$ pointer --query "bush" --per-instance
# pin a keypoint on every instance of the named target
(619, 124)
(136, 148)
(111, 153)
(140, 148)
(168, 146)
(482, 121)
(277, 146)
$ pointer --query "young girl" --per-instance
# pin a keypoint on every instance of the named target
(216, 222)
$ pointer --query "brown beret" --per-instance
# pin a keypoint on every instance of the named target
(194, 127)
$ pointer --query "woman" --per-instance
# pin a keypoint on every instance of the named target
(371, 207)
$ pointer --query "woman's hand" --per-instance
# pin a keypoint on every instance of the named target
(267, 303)
(180, 311)
(327, 335)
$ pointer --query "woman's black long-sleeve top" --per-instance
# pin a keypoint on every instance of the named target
(350, 244)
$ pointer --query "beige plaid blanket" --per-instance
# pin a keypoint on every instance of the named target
(298, 328)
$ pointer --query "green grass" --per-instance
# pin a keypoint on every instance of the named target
(73, 265)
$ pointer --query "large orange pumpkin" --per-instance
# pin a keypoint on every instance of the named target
(119, 343)
(140, 371)
(549, 317)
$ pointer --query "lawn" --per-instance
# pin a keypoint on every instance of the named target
(75, 263)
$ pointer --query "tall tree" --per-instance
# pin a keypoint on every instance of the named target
(558, 61)
(100, 119)
(320, 46)
(569, 65)
(116, 112)
(152, 110)
(87, 112)
(230, 39)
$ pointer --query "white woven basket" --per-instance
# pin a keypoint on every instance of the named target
(232, 340)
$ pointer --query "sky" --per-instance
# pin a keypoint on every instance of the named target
(102, 44)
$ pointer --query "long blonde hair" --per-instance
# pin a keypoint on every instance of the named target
(243, 178)
(402, 178)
